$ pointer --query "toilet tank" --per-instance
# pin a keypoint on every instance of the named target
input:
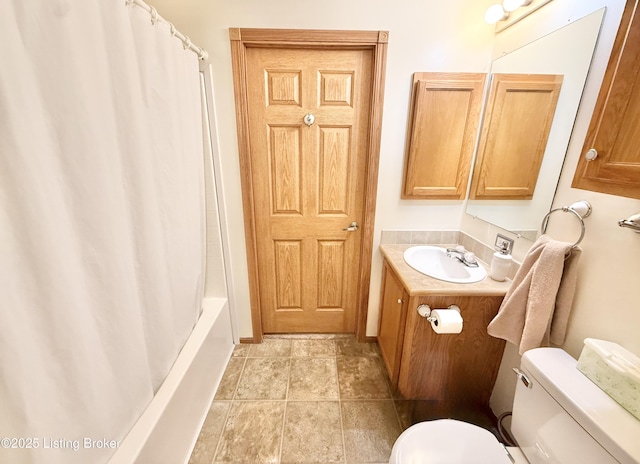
(562, 417)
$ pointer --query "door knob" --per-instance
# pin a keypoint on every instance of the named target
(352, 227)
(591, 154)
(309, 119)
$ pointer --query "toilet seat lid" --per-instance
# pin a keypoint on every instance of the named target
(447, 441)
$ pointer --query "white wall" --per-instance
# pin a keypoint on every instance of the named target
(424, 36)
(453, 37)
(606, 304)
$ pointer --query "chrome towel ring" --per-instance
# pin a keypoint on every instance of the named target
(581, 209)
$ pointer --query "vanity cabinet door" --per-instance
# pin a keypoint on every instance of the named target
(451, 370)
(444, 118)
(393, 315)
(615, 125)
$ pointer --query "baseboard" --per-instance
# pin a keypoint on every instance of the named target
(250, 340)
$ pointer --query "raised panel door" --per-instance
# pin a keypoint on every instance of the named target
(518, 118)
(393, 315)
(444, 119)
(308, 183)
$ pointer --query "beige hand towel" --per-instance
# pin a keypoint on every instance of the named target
(535, 310)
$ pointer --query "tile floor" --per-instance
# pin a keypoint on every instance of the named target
(301, 400)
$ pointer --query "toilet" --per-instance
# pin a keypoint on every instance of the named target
(559, 417)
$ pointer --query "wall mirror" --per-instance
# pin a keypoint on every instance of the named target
(568, 52)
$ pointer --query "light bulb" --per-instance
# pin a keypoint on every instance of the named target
(513, 5)
(495, 13)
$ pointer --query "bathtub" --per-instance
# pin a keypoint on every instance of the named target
(167, 430)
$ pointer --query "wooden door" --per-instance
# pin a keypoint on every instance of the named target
(308, 125)
(615, 125)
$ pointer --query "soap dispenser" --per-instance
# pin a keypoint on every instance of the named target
(500, 263)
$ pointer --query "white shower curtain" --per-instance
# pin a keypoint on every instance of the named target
(101, 222)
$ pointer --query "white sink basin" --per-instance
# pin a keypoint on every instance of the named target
(434, 262)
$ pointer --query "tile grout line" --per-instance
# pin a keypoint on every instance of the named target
(235, 390)
(231, 403)
(303, 400)
(395, 408)
(286, 407)
(288, 400)
(224, 424)
(393, 401)
(344, 441)
(392, 396)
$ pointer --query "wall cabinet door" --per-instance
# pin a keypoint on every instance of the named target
(445, 112)
(614, 131)
(518, 117)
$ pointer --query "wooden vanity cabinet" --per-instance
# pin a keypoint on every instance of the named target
(451, 371)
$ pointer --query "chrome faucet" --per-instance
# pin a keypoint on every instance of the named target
(465, 257)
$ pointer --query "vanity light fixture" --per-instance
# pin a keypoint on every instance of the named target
(495, 13)
(513, 5)
(508, 12)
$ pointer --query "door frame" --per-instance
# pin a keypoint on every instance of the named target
(243, 38)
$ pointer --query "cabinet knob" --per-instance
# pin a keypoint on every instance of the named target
(400, 301)
(591, 154)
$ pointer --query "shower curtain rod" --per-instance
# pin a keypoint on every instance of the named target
(155, 17)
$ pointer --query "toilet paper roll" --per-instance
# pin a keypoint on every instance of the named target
(446, 321)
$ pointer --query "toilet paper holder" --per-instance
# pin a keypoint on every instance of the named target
(425, 311)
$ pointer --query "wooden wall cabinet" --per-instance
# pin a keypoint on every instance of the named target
(443, 122)
(450, 371)
(614, 132)
(518, 117)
